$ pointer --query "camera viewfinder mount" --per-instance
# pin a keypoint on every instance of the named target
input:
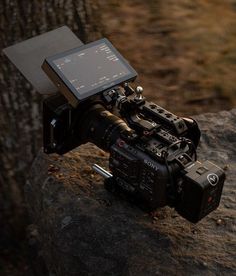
(87, 70)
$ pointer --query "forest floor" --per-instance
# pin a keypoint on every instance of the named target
(184, 52)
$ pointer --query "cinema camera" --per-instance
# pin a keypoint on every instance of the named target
(153, 158)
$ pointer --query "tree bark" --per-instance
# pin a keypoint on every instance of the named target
(20, 105)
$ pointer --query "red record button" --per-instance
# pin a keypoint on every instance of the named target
(209, 199)
(121, 143)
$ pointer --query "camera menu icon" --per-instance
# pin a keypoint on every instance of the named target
(213, 179)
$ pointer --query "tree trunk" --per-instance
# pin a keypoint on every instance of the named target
(20, 105)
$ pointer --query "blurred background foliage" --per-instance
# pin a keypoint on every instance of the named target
(184, 51)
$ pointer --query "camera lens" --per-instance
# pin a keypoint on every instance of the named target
(100, 127)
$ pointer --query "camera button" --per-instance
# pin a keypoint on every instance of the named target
(209, 200)
(201, 170)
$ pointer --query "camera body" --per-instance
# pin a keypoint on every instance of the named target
(152, 151)
(153, 156)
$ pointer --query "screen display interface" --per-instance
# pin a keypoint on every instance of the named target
(92, 68)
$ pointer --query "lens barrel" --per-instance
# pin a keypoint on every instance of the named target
(101, 127)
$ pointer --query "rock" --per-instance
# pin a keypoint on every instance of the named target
(84, 230)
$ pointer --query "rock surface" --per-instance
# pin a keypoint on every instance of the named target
(84, 230)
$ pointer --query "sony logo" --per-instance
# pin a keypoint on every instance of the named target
(150, 164)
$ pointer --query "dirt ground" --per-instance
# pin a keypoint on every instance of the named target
(184, 51)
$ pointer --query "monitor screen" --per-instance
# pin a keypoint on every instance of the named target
(91, 68)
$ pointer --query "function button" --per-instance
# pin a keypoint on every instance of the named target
(201, 170)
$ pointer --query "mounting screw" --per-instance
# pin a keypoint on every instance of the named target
(139, 93)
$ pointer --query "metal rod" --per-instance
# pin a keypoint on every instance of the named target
(101, 171)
